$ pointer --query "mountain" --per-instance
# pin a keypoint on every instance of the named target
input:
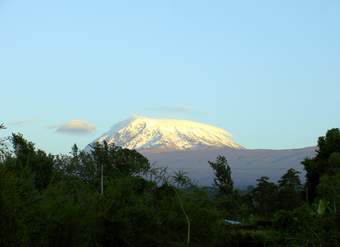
(166, 134)
(187, 145)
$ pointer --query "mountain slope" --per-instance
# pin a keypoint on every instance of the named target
(246, 165)
(166, 134)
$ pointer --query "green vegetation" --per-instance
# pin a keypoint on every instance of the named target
(113, 197)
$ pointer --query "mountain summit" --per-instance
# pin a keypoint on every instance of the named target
(143, 133)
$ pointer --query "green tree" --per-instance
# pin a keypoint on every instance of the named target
(228, 201)
(327, 161)
(10, 206)
(265, 197)
(74, 166)
(2, 145)
(329, 191)
(290, 190)
(70, 164)
(112, 161)
(328, 144)
(182, 180)
(222, 172)
(37, 161)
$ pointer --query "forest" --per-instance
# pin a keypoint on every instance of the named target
(113, 196)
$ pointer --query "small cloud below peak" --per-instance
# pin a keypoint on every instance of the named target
(75, 127)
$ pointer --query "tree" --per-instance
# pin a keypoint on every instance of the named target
(130, 162)
(222, 172)
(329, 191)
(112, 161)
(37, 161)
(290, 190)
(265, 197)
(103, 158)
(181, 180)
(328, 144)
(70, 164)
(2, 145)
(327, 161)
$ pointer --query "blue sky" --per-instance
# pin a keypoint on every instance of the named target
(266, 71)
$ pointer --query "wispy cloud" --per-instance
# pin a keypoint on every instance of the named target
(18, 123)
(75, 127)
(21, 123)
(175, 110)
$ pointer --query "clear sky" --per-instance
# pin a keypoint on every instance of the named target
(266, 71)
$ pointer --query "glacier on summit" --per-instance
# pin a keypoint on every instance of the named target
(142, 133)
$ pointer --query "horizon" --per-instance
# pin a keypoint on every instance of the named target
(267, 72)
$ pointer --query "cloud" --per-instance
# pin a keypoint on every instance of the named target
(175, 110)
(18, 123)
(75, 127)
(21, 123)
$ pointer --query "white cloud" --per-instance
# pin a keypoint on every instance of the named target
(76, 127)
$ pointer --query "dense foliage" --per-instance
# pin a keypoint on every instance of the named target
(111, 196)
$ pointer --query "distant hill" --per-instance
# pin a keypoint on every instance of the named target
(246, 165)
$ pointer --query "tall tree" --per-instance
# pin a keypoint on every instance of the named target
(327, 161)
(290, 190)
(37, 161)
(222, 171)
(329, 190)
(182, 180)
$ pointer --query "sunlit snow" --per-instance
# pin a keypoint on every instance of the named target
(144, 133)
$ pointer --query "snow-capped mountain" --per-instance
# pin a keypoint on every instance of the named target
(143, 133)
(186, 145)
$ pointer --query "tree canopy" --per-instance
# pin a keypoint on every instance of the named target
(53, 200)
